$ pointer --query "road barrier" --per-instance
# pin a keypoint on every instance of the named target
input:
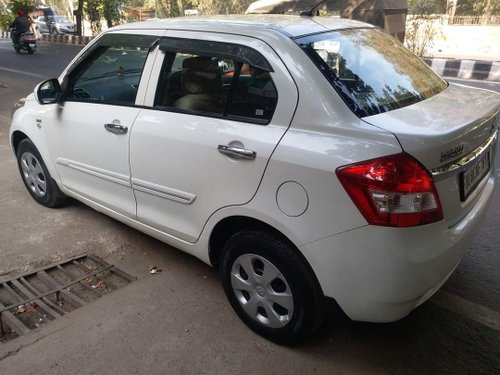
(466, 69)
(67, 39)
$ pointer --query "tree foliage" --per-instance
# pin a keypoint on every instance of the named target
(477, 7)
(8, 15)
(6, 18)
(210, 7)
(423, 25)
(427, 6)
(26, 5)
(111, 12)
(94, 8)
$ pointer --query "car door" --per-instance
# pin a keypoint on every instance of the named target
(216, 114)
(88, 134)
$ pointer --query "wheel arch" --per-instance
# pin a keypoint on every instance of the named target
(17, 137)
(228, 226)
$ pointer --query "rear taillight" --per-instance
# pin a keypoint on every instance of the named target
(395, 191)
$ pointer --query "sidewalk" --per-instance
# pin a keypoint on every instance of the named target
(466, 52)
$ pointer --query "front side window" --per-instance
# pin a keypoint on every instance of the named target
(371, 71)
(216, 85)
(111, 72)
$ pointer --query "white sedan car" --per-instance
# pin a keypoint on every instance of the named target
(305, 158)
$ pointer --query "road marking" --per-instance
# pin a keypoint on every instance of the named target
(22, 72)
(466, 309)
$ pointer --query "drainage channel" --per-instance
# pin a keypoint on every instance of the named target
(33, 300)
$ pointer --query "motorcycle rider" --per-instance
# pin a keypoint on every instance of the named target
(20, 25)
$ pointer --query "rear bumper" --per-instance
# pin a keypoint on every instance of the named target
(380, 274)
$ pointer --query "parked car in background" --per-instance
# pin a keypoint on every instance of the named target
(307, 158)
(54, 25)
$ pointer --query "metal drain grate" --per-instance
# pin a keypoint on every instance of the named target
(32, 300)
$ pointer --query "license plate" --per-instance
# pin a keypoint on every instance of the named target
(32, 44)
(471, 177)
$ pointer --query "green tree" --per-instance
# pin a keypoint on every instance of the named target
(111, 11)
(6, 18)
(222, 6)
(93, 8)
(422, 26)
(27, 5)
(167, 8)
(422, 7)
(477, 7)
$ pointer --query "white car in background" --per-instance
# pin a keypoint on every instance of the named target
(305, 158)
(54, 25)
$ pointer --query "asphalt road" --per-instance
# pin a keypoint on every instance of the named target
(186, 325)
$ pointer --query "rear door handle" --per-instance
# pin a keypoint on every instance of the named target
(236, 152)
(116, 128)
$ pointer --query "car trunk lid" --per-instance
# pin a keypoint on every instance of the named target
(445, 127)
(453, 134)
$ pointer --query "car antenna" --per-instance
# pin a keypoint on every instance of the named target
(310, 12)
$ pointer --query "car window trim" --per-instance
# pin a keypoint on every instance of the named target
(232, 89)
(249, 120)
(93, 53)
(169, 57)
(236, 52)
(82, 59)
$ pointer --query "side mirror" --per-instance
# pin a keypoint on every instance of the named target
(48, 92)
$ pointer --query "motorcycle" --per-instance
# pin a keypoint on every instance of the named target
(26, 42)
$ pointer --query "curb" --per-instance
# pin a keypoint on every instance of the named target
(66, 39)
(59, 38)
(466, 69)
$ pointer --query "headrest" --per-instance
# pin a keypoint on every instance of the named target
(200, 64)
(200, 75)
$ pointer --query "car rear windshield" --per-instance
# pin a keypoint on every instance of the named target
(371, 71)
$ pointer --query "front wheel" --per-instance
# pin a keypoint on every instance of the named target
(271, 287)
(36, 177)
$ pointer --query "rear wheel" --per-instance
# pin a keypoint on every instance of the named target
(270, 286)
(36, 177)
(29, 49)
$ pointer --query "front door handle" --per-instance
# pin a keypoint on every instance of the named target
(236, 152)
(116, 128)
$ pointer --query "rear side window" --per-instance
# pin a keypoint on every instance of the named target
(255, 95)
(111, 72)
(216, 85)
(370, 70)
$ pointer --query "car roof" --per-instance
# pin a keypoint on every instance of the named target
(252, 24)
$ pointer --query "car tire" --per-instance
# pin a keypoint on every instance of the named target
(271, 287)
(36, 177)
